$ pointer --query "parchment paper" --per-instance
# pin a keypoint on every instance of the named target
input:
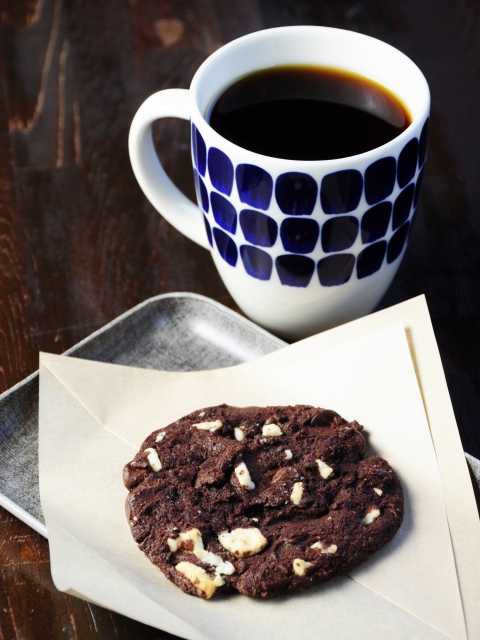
(94, 416)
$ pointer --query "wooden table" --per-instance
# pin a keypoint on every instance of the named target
(79, 244)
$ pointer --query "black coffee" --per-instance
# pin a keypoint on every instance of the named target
(308, 113)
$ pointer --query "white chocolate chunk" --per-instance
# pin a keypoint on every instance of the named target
(371, 516)
(243, 543)
(324, 469)
(300, 566)
(378, 491)
(239, 434)
(160, 436)
(330, 549)
(243, 476)
(201, 414)
(153, 459)
(297, 492)
(204, 583)
(254, 519)
(193, 535)
(212, 426)
(174, 544)
(288, 454)
(271, 430)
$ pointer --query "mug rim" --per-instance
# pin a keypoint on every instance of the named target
(404, 136)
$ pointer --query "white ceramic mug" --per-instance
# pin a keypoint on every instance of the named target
(300, 245)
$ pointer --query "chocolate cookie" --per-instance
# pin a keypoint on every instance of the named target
(261, 500)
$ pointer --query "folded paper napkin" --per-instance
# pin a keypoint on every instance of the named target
(383, 370)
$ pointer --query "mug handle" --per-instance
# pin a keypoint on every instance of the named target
(174, 206)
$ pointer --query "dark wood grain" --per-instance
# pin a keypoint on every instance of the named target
(79, 243)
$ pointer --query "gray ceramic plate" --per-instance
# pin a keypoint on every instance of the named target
(173, 332)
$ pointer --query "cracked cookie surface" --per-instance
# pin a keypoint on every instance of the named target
(262, 500)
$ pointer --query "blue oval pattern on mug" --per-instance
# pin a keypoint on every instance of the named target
(296, 193)
(257, 263)
(199, 150)
(380, 179)
(201, 191)
(370, 259)
(418, 187)
(407, 162)
(339, 233)
(258, 228)
(226, 246)
(254, 186)
(220, 170)
(422, 144)
(335, 270)
(223, 212)
(375, 222)
(397, 242)
(402, 205)
(208, 230)
(295, 271)
(341, 191)
(299, 235)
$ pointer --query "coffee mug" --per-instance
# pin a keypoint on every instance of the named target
(300, 245)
